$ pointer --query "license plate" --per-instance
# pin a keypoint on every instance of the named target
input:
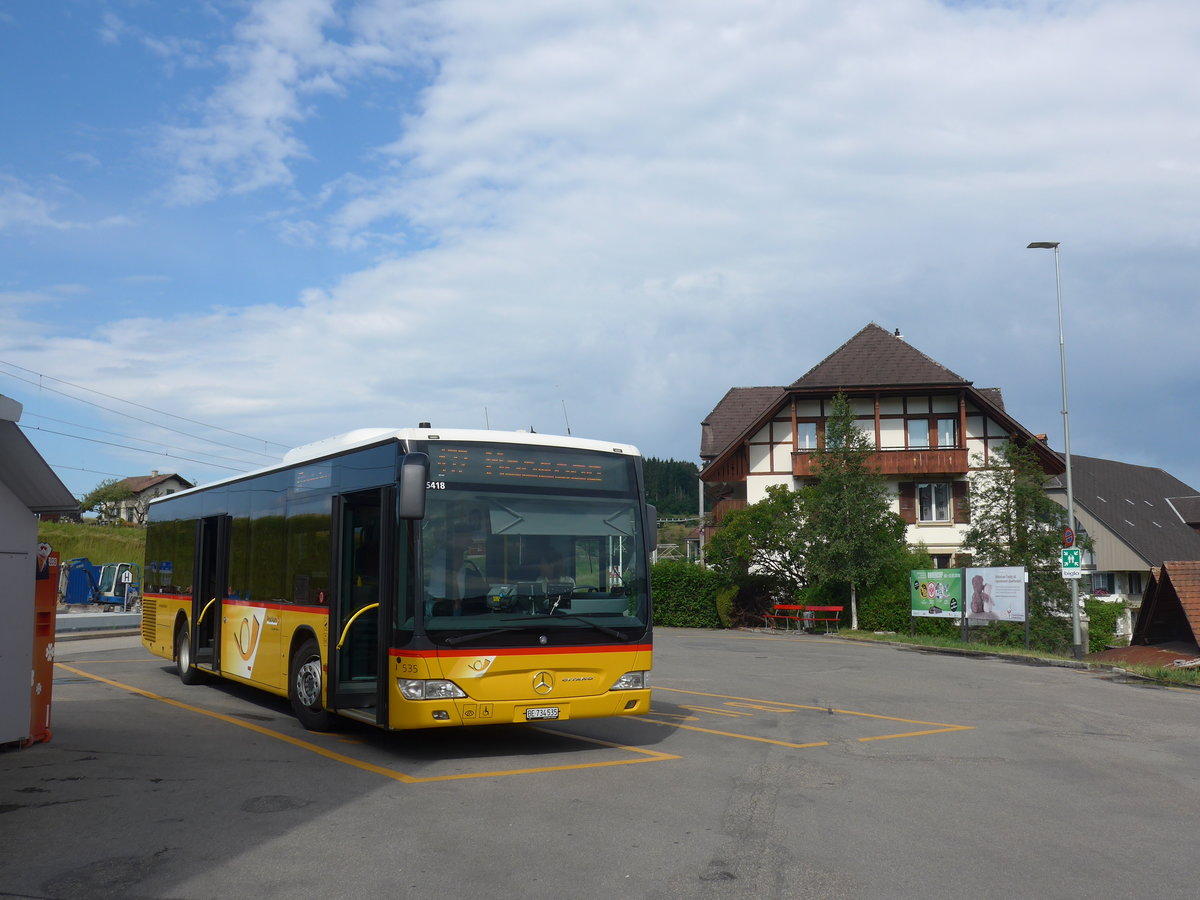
(541, 712)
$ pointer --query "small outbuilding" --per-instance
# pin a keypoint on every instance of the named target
(1171, 605)
(28, 488)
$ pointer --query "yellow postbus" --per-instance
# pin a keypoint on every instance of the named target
(414, 578)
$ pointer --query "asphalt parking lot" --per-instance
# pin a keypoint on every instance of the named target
(770, 766)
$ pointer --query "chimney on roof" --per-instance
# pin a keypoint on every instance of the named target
(154, 473)
(899, 335)
(1041, 437)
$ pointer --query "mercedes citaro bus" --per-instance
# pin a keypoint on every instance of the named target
(414, 578)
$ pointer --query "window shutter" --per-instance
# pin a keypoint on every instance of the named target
(908, 502)
(962, 505)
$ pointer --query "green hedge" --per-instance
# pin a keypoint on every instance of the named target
(1102, 623)
(685, 595)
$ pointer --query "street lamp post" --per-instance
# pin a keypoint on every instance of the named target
(1076, 633)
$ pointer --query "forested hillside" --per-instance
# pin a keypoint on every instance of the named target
(671, 486)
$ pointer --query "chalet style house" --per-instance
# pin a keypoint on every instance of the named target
(931, 429)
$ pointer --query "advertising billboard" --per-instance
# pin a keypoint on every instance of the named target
(937, 593)
(996, 594)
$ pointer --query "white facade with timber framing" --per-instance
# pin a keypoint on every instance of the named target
(931, 429)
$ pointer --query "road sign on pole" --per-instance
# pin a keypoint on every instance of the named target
(1072, 563)
(1068, 537)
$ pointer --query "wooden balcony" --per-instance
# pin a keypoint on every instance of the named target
(898, 462)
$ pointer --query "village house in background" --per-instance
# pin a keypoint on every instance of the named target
(1137, 517)
(931, 428)
(143, 489)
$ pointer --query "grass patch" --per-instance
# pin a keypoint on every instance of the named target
(949, 643)
(1167, 675)
(99, 543)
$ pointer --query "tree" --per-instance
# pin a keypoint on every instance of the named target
(767, 538)
(853, 535)
(106, 498)
(1014, 523)
(671, 486)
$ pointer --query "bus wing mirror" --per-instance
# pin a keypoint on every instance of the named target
(414, 473)
(652, 524)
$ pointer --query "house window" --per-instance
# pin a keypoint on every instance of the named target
(947, 432)
(918, 434)
(806, 435)
(1103, 584)
(1135, 582)
(933, 502)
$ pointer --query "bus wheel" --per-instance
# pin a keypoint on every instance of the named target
(188, 673)
(305, 681)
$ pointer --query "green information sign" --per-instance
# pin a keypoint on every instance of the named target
(1072, 563)
(936, 592)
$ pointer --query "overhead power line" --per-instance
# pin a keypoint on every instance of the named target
(129, 437)
(118, 412)
(134, 449)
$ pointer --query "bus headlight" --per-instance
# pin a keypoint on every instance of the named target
(630, 681)
(429, 689)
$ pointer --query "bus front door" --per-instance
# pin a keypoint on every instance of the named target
(212, 575)
(362, 605)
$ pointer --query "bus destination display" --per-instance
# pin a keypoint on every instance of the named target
(545, 466)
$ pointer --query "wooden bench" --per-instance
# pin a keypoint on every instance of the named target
(788, 612)
(828, 615)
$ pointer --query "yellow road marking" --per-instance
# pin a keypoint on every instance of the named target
(730, 734)
(648, 755)
(716, 712)
(777, 706)
(110, 661)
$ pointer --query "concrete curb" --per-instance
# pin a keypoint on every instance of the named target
(61, 636)
(73, 625)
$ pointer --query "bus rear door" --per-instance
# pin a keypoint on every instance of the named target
(208, 591)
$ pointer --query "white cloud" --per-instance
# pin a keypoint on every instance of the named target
(631, 207)
(21, 206)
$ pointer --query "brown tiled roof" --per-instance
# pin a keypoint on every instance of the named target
(1171, 604)
(993, 396)
(1184, 576)
(1132, 503)
(875, 357)
(872, 359)
(737, 410)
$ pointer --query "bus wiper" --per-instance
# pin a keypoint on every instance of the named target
(524, 622)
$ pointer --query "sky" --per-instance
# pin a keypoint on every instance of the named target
(231, 227)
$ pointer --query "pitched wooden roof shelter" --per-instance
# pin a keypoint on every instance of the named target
(1170, 605)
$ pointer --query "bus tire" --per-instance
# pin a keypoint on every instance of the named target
(188, 673)
(306, 681)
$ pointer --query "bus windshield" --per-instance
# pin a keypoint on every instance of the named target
(511, 568)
